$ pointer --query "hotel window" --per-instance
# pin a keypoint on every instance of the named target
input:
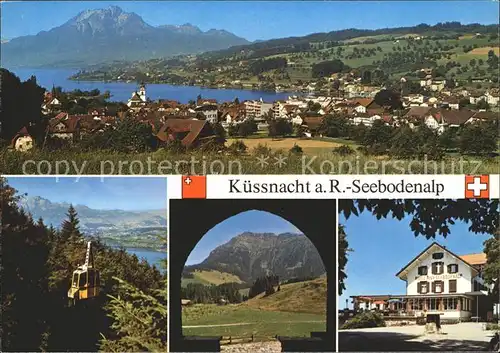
(452, 286)
(422, 270)
(450, 303)
(433, 304)
(437, 286)
(437, 268)
(423, 287)
(452, 268)
(437, 256)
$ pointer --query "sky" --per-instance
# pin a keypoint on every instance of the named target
(255, 20)
(123, 193)
(249, 221)
(383, 247)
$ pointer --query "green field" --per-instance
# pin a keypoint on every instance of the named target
(357, 53)
(207, 277)
(262, 324)
(308, 297)
(296, 310)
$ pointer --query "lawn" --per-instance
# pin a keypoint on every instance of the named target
(211, 277)
(309, 297)
(263, 324)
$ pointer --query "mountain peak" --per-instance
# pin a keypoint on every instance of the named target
(250, 255)
(106, 21)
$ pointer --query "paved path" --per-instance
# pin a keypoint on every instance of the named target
(258, 347)
(468, 336)
(219, 325)
(253, 323)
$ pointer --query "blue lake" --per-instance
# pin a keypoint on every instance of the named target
(152, 257)
(122, 91)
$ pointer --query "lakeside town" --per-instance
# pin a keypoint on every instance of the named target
(440, 108)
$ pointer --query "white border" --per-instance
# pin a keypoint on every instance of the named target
(337, 252)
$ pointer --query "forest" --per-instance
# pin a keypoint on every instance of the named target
(129, 314)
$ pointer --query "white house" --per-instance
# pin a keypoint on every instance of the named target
(297, 120)
(432, 122)
(492, 98)
(360, 108)
(22, 141)
(210, 112)
(437, 85)
(438, 282)
(50, 105)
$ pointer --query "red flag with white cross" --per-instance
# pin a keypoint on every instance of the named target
(194, 187)
(477, 187)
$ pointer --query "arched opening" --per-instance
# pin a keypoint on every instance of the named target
(315, 219)
(251, 278)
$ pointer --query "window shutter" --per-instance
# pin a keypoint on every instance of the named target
(449, 269)
(419, 287)
(433, 268)
(452, 283)
(433, 287)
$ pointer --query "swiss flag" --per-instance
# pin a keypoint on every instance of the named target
(477, 187)
(194, 187)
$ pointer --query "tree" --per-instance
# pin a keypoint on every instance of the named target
(139, 321)
(479, 138)
(220, 133)
(131, 135)
(366, 78)
(280, 127)
(334, 126)
(378, 137)
(248, 127)
(357, 133)
(24, 296)
(482, 104)
(388, 98)
(448, 139)
(21, 106)
(343, 250)
(70, 227)
(403, 143)
(491, 272)
(327, 68)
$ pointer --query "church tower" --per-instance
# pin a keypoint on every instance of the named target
(142, 92)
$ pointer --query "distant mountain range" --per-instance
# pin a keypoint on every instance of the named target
(107, 35)
(91, 219)
(251, 255)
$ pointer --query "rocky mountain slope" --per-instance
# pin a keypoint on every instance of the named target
(92, 220)
(107, 35)
(252, 255)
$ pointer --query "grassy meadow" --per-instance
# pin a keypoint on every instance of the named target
(296, 310)
(162, 162)
(211, 277)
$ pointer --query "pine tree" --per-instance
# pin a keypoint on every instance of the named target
(70, 227)
(140, 321)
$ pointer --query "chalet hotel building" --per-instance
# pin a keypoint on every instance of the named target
(437, 282)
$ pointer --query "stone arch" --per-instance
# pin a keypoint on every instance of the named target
(191, 219)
